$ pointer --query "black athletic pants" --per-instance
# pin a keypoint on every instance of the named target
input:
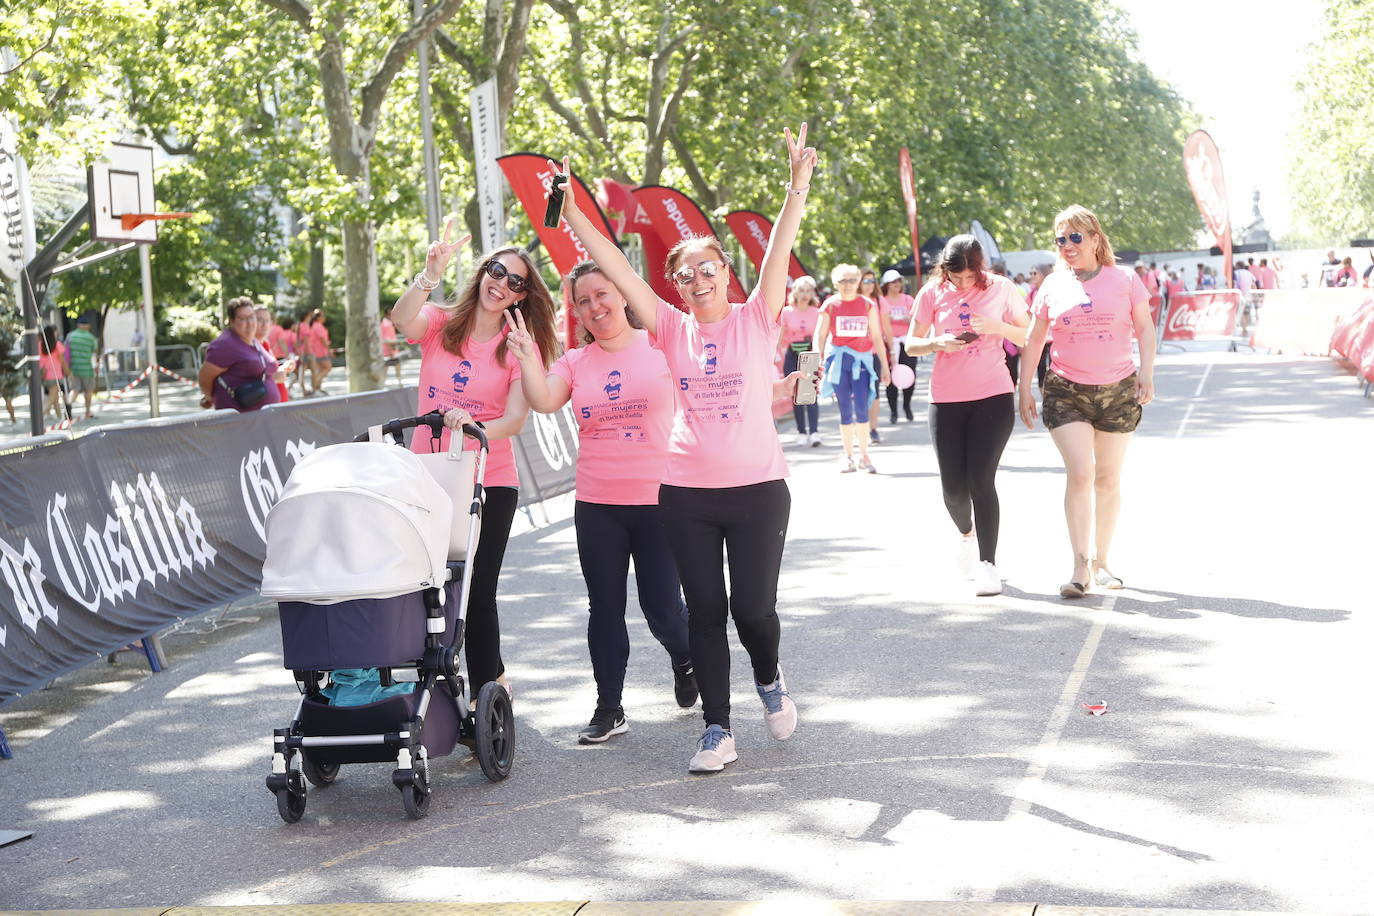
(750, 525)
(482, 634)
(969, 437)
(607, 537)
(903, 360)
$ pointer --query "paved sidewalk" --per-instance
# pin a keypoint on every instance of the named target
(943, 752)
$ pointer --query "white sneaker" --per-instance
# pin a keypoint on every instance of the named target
(799, 439)
(985, 579)
(715, 749)
(815, 440)
(968, 555)
(779, 712)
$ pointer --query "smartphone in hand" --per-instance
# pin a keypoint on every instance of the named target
(807, 363)
(967, 336)
(554, 211)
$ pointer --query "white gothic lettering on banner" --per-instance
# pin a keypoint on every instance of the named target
(261, 483)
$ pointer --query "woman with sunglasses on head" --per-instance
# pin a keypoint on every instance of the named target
(962, 315)
(868, 288)
(619, 387)
(849, 338)
(1093, 394)
(723, 489)
(896, 305)
(468, 372)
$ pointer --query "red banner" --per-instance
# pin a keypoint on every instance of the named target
(530, 176)
(1156, 306)
(1202, 162)
(908, 181)
(753, 230)
(1202, 315)
(675, 217)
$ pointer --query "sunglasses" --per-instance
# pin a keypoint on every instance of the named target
(1075, 237)
(868, 280)
(707, 269)
(847, 280)
(497, 271)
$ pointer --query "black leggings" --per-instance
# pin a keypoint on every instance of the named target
(607, 537)
(482, 634)
(969, 437)
(903, 360)
(750, 523)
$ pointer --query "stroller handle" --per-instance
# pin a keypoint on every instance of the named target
(434, 420)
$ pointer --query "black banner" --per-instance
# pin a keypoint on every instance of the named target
(114, 535)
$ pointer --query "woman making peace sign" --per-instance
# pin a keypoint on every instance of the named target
(466, 372)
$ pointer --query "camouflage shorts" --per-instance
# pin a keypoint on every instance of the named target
(1110, 408)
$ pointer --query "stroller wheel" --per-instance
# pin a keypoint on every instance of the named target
(319, 774)
(291, 800)
(416, 795)
(495, 731)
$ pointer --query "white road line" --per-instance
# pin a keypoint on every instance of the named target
(1054, 731)
(1203, 381)
(1187, 415)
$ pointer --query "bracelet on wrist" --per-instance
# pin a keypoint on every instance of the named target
(796, 191)
(424, 282)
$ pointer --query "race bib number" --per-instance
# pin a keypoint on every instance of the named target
(851, 326)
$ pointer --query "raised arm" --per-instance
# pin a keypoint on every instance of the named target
(405, 314)
(608, 256)
(773, 272)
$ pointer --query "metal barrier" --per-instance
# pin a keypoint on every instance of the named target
(122, 366)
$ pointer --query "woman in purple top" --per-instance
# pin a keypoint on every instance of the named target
(234, 363)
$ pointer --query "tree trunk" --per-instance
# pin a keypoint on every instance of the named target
(364, 347)
(315, 298)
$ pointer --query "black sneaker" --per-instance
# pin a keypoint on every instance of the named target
(605, 724)
(685, 686)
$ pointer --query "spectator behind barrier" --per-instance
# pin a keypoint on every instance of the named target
(237, 372)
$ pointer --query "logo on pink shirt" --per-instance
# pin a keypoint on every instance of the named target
(708, 359)
(612, 386)
(462, 376)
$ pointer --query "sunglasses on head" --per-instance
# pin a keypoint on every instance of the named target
(707, 269)
(1075, 237)
(498, 271)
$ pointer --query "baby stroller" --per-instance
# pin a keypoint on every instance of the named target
(368, 559)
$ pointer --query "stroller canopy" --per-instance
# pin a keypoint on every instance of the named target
(357, 520)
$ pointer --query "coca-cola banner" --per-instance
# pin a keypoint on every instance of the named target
(530, 176)
(114, 535)
(1202, 162)
(908, 182)
(1202, 315)
(676, 217)
(753, 231)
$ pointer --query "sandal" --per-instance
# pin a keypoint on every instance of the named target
(1073, 590)
(1105, 579)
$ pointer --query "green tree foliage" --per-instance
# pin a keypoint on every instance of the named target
(1332, 171)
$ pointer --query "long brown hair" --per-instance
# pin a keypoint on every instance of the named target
(961, 253)
(537, 307)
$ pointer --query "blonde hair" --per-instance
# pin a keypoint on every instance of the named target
(842, 270)
(805, 283)
(1083, 220)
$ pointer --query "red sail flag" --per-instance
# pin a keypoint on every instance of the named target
(676, 217)
(908, 181)
(1202, 162)
(629, 217)
(530, 176)
(753, 231)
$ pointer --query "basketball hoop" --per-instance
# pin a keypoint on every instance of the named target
(129, 221)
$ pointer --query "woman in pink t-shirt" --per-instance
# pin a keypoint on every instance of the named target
(467, 373)
(963, 315)
(1093, 394)
(798, 325)
(723, 490)
(623, 399)
(849, 338)
(897, 305)
(52, 360)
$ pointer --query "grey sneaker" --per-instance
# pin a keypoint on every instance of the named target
(779, 712)
(715, 749)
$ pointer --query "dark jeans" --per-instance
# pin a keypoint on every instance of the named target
(808, 416)
(750, 525)
(903, 360)
(482, 635)
(607, 537)
(969, 437)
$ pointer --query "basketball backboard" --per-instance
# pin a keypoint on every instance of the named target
(122, 182)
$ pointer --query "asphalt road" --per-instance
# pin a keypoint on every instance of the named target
(943, 751)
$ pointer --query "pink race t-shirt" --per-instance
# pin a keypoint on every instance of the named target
(52, 362)
(474, 381)
(624, 407)
(979, 370)
(388, 332)
(315, 340)
(722, 375)
(798, 326)
(1092, 323)
(899, 309)
(849, 322)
